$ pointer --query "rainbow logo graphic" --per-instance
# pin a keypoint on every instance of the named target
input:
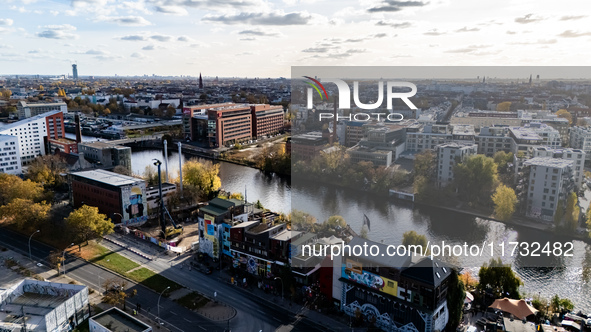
(316, 88)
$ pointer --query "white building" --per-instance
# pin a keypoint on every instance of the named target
(34, 132)
(550, 136)
(10, 157)
(27, 110)
(550, 181)
(580, 138)
(33, 305)
(448, 155)
(576, 155)
(492, 140)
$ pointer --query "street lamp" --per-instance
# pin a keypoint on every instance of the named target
(157, 163)
(159, 303)
(30, 256)
(281, 286)
(64, 257)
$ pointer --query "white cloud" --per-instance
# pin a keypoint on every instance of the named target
(124, 20)
(6, 22)
(172, 10)
(62, 31)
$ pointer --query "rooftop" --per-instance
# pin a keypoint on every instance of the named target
(28, 120)
(549, 162)
(102, 145)
(119, 321)
(38, 302)
(107, 177)
(525, 133)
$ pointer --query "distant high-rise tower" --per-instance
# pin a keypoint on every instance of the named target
(75, 71)
(530, 82)
(200, 82)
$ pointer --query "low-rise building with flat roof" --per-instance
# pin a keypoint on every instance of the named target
(106, 154)
(34, 305)
(116, 320)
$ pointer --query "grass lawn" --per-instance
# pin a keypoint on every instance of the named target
(152, 280)
(193, 301)
(102, 256)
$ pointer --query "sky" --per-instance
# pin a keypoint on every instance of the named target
(259, 38)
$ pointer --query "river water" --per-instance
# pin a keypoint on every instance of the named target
(390, 219)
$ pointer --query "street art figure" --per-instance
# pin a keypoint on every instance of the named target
(135, 208)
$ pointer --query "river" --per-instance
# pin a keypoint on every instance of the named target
(390, 219)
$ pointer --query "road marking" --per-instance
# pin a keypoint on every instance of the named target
(232, 298)
(174, 313)
(203, 328)
(187, 320)
(262, 312)
(277, 319)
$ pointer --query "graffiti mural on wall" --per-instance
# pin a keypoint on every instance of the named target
(134, 204)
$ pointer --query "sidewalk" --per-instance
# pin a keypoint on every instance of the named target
(157, 253)
(24, 265)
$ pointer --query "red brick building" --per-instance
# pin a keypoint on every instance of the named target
(64, 145)
(229, 124)
(266, 119)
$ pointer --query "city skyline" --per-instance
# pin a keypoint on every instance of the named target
(257, 38)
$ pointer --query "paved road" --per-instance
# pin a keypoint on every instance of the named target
(252, 313)
(176, 317)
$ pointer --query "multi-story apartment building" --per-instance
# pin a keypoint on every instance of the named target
(27, 110)
(580, 138)
(491, 140)
(448, 155)
(432, 135)
(549, 181)
(550, 136)
(215, 220)
(10, 159)
(402, 293)
(34, 134)
(576, 155)
(428, 137)
(522, 139)
(266, 119)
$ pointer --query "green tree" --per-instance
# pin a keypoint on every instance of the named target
(24, 213)
(12, 187)
(413, 238)
(562, 113)
(424, 164)
(571, 213)
(456, 294)
(150, 175)
(559, 214)
(115, 292)
(500, 279)
(301, 221)
(48, 170)
(505, 201)
(476, 177)
(204, 175)
(86, 222)
(504, 106)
